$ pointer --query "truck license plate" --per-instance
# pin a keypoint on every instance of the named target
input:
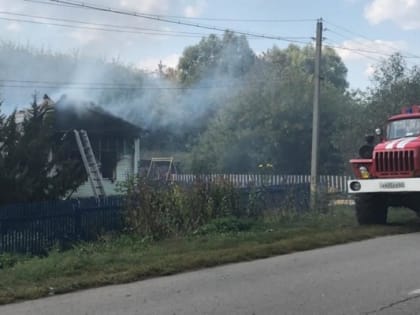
(392, 185)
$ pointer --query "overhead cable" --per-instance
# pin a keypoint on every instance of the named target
(85, 5)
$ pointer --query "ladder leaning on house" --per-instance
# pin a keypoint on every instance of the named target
(89, 161)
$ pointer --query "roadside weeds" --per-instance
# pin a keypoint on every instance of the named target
(126, 258)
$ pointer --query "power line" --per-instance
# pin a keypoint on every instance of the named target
(111, 88)
(335, 45)
(90, 85)
(243, 20)
(375, 52)
(83, 5)
(300, 20)
(98, 24)
(68, 82)
(365, 55)
(74, 86)
(117, 85)
(221, 84)
(346, 29)
(365, 37)
(358, 53)
(362, 44)
(107, 27)
(98, 29)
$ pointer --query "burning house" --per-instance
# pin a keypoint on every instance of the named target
(109, 146)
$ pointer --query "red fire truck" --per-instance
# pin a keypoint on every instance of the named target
(388, 173)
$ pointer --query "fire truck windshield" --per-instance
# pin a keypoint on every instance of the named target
(403, 128)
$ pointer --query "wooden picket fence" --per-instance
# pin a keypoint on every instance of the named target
(36, 227)
(328, 183)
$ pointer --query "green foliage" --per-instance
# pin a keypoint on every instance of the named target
(160, 209)
(264, 115)
(8, 260)
(130, 258)
(34, 160)
(213, 57)
(270, 119)
(395, 86)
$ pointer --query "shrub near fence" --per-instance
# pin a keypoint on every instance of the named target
(333, 188)
(160, 209)
(36, 227)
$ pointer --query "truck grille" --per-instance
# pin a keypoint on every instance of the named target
(394, 161)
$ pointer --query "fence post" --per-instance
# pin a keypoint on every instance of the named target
(77, 221)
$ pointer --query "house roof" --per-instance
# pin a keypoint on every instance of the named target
(71, 114)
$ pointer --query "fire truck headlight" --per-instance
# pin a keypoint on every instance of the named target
(355, 186)
(364, 173)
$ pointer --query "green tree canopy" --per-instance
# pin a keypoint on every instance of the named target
(228, 57)
(36, 162)
(270, 119)
(395, 85)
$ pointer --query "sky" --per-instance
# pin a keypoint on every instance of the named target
(362, 31)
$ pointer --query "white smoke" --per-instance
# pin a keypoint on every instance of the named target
(148, 100)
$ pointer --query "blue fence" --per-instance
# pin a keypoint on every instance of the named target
(36, 227)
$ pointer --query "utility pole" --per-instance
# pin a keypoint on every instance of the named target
(315, 118)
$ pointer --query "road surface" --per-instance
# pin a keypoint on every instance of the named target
(378, 276)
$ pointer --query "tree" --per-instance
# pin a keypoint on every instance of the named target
(215, 58)
(395, 86)
(270, 119)
(35, 161)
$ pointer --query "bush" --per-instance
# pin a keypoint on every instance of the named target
(160, 209)
(8, 260)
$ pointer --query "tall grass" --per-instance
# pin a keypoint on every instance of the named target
(159, 209)
(123, 258)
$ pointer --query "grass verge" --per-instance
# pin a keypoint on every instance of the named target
(127, 258)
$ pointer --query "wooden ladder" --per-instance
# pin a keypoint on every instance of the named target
(89, 161)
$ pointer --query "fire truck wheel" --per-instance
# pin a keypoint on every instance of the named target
(371, 209)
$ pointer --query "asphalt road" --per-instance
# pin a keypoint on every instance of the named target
(379, 276)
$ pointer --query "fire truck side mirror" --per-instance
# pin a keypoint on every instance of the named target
(378, 131)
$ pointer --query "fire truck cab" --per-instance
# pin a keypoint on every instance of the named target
(388, 173)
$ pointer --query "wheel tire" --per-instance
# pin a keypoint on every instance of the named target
(371, 209)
